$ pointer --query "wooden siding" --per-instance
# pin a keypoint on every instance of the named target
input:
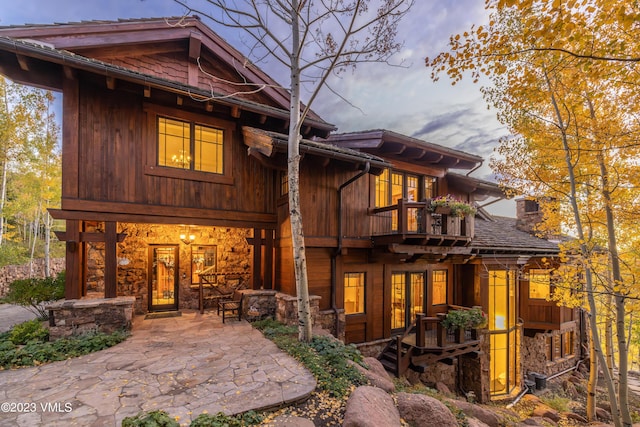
(116, 142)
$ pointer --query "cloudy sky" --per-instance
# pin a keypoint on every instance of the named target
(402, 99)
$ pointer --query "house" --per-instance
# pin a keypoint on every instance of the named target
(175, 186)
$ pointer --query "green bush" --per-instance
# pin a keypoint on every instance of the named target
(32, 293)
(325, 357)
(250, 418)
(36, 352)
(28, 331)
(150, 419)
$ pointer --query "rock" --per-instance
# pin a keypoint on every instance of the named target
(570, 389)
(473, 422)
(290, 421)
(576, 417)
(546, 412)
(370, 407)
(420, 410)
(603, 414)
(531, 398)
(485, 415)
(537, 421)
(376, 380)
(443, 389)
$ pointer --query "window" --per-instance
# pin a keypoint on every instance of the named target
(394, 185)
(439, 287)
(354, 293)
(560, 345)
(186, 145)
(203, 261)
(284, 183)
(531, 206)
(567, 344)
(539, 284)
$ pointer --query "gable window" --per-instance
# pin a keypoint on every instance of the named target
(354, 293)
(539, 284)
(187, 145)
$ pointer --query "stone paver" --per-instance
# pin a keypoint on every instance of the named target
(13, 314)
(184, 365)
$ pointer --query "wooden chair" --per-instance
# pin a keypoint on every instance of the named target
(231, 306)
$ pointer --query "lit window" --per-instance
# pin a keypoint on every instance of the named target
(354, 293)
(382, 189)
(439, 287)
(567, 344)
(185, 145)
(539, 284)
(429, 187)
(393, 185)
(203, 262)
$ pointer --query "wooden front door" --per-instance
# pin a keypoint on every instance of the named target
(407, 298)
(163, 277)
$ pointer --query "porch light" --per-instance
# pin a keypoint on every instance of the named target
(187, 240)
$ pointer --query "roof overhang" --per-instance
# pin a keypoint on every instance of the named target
(397, 147)
(479, 188)
(274, 146)
(40, 65)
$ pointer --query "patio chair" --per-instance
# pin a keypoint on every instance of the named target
(231, 306)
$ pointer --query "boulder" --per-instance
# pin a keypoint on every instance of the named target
(546, 412)
(375, 379)
(443, 389)
(370, 407)
(603, 414)
(472, 422)
(290, 421)
(420, 410)
(576, 417)
(483, 414)
(536, 421)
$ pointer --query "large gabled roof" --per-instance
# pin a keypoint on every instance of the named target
(102, 47)
(397, 147)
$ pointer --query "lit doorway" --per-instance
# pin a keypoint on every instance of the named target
(407, 298)
(163, 277)
(504, 369)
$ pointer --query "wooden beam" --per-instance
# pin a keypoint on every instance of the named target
(24, 62)
(179, 100)
(262, 119)
(88, 236)
(195, 44)
(110, 260)
(235, 112)
(209, 106)
(257, 257)
(147, 91)
(73, 261)
(69, 73)
(111, 83)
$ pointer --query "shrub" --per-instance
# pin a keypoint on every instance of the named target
(32, 293)
(28, 331)
(150, 419)
(250, 418)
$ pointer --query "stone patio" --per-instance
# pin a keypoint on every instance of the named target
(184, 365)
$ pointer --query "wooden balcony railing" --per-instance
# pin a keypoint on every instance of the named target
(425, 342)
(415, 220)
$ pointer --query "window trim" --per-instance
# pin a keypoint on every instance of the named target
(421, 186)
(152, 168)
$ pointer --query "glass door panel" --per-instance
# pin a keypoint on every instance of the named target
(163, 274)
(407, 298)
(398, 301)
(417, 295)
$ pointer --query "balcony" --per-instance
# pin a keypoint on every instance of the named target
(426, 342)
(413, 223)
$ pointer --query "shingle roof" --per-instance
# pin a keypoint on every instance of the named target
(501, 235)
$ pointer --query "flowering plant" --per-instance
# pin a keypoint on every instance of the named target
(464, 319)
(457, 207)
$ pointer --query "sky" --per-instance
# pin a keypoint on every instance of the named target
(402, 99)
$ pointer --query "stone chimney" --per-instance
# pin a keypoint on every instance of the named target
(528, 215)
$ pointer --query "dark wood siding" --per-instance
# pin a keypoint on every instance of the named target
(116, 140)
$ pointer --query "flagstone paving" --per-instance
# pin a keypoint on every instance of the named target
(12, 315)
(184, 365)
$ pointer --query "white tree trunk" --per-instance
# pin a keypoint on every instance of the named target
(295, 214)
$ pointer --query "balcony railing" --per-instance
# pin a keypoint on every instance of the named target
(415, 221)
(425, 342)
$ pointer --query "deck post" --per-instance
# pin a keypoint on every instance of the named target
(441, 335)
(420, 329)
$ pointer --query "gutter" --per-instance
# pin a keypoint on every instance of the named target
(338, 251)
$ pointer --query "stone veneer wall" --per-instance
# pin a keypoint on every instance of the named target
(75, 317)
(10, 273)
(534, 353)
(233, 255)
(474, 372)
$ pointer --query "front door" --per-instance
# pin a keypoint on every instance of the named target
(407, 298)
(163, 277)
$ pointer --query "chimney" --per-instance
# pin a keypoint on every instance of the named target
(528, 215)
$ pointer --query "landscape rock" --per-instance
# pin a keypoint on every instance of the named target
(443, 389)
(485, 415)
(536, 421)
(381, 381)
(370, 407)
(570, 389)
(290, 421)
(420, 410)
(603, 414)
(473, 422)
(576, 417)
(546, 412)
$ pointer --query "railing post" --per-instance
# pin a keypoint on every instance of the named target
(441, 332)
(402, 217)
(420, 332)
(398, 354)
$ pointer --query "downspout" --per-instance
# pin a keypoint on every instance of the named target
(338, 250)
(475, 169)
